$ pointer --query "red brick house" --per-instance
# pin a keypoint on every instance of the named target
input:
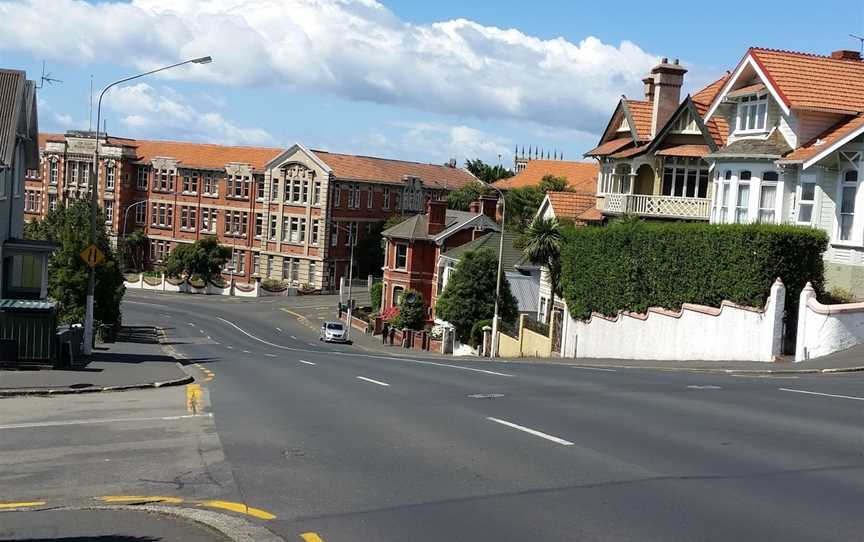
(415, 245)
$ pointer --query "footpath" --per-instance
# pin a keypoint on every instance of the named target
(135, 361)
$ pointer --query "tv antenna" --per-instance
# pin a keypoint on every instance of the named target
(46, 78)
(860, 39)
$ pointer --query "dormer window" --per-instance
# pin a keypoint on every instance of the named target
(752, 113)
(625, 126)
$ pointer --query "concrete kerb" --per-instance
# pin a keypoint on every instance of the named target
(234, 528)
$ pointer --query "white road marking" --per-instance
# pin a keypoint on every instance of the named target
(202, 331)
(373, 381)
(534, 432)
(823, 394)
(229, 347)
(593, 368)
(307, 362)
(33, 425)
(704, 387)
(279, 329)
(270, 355)
(192, 324)
(247, 352)
(292, 349)
(293, 337)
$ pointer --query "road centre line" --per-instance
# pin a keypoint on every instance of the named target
(33, 425)
(530, 431)
(373, 381)
(307, 350)
(279, 329)
(270, 355)
(823, 394)
(307, 362)
(311, 537)
(592, 368)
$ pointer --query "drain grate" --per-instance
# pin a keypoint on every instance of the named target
(485, 395)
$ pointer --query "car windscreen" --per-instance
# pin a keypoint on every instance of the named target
(335, 327)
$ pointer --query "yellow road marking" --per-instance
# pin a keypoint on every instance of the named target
(311, 537)
(239, 508)
(141, 498)
(10, 505)
(292, 313)
(193, 397)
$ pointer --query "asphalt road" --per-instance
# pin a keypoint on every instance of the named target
(358, 446)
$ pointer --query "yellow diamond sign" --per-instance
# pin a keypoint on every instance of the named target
(92, 256)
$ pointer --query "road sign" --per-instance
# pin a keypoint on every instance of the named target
(92, 256)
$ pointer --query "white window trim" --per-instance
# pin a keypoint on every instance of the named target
(798, 201)
(856, 239)
(761, 98)
(396, 257)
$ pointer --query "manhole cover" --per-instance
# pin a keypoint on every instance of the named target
(485, 395)
(708, 387)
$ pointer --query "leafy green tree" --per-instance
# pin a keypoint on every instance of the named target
(469, 295)
(69, 227)
(205, 258)
(461, 198)
(412, 311)
(485, 172)
(369, 252)
(551, 183)
(542, 245)
(133, 247)
(375, 296)
(522, 205)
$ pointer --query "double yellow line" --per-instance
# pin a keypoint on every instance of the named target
(209, 375)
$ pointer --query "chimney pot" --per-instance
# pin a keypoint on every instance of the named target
(664, 60)
(845, 54)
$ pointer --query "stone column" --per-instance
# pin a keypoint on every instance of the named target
(807, 294)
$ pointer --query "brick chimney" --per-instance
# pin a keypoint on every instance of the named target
(488, 205)
(436, 214)
(668, 79)
(649, 88)
(845, 54)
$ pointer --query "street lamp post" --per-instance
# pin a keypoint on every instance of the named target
(94, 194)
(494, 346)
(351, 243)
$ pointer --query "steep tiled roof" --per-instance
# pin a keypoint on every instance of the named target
(706, 95)
(825, 140)
(580, 175)
(716, 125)
(367, 168)
(575, 206)
(774, 146)
(640, 111)
(626, 153)
(205, 155)
(808, 81)
(512, 254)
(609, 147)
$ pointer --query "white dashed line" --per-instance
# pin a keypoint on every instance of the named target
(373, 381)
(270, 355)
(593, 368)
(293, 337)
(530, 431)
(247, 352)
(823, 394)
(306, 362)
(279, 329)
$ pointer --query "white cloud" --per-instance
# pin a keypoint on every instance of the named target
(150, 112)
(355, 49)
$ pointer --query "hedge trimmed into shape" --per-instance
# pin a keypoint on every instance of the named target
(632, 265)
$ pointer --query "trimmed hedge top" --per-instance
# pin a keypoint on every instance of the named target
(633, 265)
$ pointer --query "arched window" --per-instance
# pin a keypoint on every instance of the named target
(397, 295)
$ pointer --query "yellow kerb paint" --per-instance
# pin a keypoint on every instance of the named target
(193, 398)
(11, 505)
(311, 537)
(240, 508)
(141, 498)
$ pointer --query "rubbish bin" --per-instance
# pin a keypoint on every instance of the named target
(30, 326)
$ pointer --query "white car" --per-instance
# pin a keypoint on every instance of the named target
(334, 332)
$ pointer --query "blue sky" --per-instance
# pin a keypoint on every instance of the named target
(424, 81)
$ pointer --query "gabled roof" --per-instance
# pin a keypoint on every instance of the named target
(640, 115)
(610, 147)
(687, 107)
(772, 147)
(417, 226)
(815, 149)
(512, 255)
(580, 175)
(18, 118)
(580, 207)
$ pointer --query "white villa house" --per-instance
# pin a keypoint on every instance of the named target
(794, 150)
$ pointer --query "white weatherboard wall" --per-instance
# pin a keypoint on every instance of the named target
(696, 332)
(825, 329)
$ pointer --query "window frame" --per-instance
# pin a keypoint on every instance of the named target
(811, 203)
(748, 182)
(775, 183)
(841, 188)
(396, 257)
(742, 111)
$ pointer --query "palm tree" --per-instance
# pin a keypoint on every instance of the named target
(542, 245)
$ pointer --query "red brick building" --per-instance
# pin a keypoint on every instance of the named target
(415, 245)
(287, 213)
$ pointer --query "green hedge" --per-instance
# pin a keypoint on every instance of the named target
(633, 265)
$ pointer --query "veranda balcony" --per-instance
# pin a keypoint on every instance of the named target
(649, 205)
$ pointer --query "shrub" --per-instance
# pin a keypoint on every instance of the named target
(634, 265)
(375, 295)
(274, 285)
(836, 296)
(412, 311)
(475, 338)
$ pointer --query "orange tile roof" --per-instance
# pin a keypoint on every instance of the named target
(580, 175)
(626, 153)
(205, 155)
(807, 81)
(717, 125)
(825, 140)
(609, 147)
(696, 151)
(357, 168)
(640, 111)
(707, 94)
(576, 206)
(367, 168)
